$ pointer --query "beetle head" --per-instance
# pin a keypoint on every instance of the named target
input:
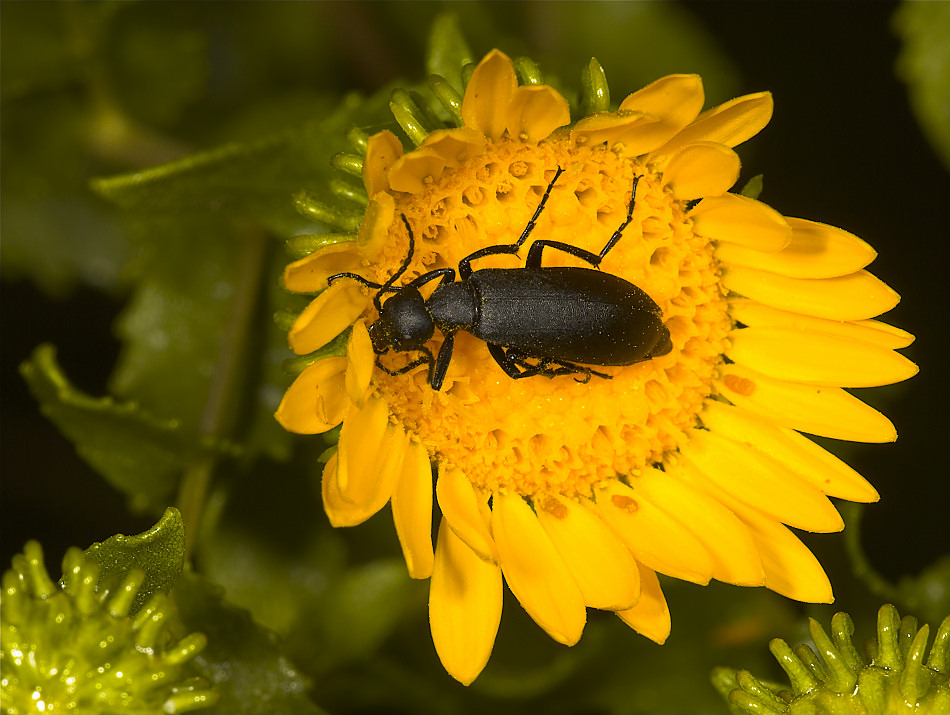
(403, 324)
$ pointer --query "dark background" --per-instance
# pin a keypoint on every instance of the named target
(842, 148)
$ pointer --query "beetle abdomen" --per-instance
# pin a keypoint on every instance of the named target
(571, 314)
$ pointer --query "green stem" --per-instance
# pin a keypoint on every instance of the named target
(860, 564)
(227, 379)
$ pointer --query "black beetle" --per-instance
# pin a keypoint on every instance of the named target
(535, 320)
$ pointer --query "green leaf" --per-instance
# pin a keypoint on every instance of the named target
(254, 180)
(159, 552)
(138, 453)
(173, 325)
(924, 65)
(242, 658)
(188, 342)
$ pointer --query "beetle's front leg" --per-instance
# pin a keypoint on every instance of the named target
(426, 359)
(534, 253)
(446, 274)
(465, 267)
(437, 373)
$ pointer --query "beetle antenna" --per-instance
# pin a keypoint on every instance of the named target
(359, 279)
(387, 287)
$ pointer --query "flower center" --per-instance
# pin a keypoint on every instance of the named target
(542, 434)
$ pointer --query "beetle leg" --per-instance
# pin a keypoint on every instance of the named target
(569, 368)
(534, 253)
(516, 366)
(446, 274)
(359, 279)
(437, 372)
(426, 359)
(465, 268)
(505, 362)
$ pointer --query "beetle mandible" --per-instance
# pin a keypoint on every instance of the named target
(534, 320)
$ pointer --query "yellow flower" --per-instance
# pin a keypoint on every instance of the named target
(690, 464)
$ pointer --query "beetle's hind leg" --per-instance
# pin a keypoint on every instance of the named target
(518, 365)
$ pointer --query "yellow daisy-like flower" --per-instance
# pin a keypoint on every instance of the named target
(690, 463)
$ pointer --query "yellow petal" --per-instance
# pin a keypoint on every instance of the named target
(815, 251)
(535, 112)
(824, 411)
(535, 571)
(735, 219)
(345, 513)
(678, 98)
(729, 124)
(382, 151)
(377, 220)
(735, 559)
(371, 451)
(756, 315)
(465, 512)
(701, 169)
(613, 127)
(360, 360)
(651, 616)
(317, 399)
(455, 146)
(790, 568)
(417, 171)
(309, 274)
(464, 607)
(761, 482)
(485, 105)
(601, 565)
(856, 296)
(412, 510)
(652, 535)
(817, 358)
(810, 462)
(675, 100)
(327, 315)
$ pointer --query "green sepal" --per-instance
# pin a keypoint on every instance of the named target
(348, 163)
(158, 552)
(334, 348)
(304, 244)
(447, 96)
(595, 93)
(528, 71)
(139, 454)
(309, 205)
(448, 50)
(753, 187)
